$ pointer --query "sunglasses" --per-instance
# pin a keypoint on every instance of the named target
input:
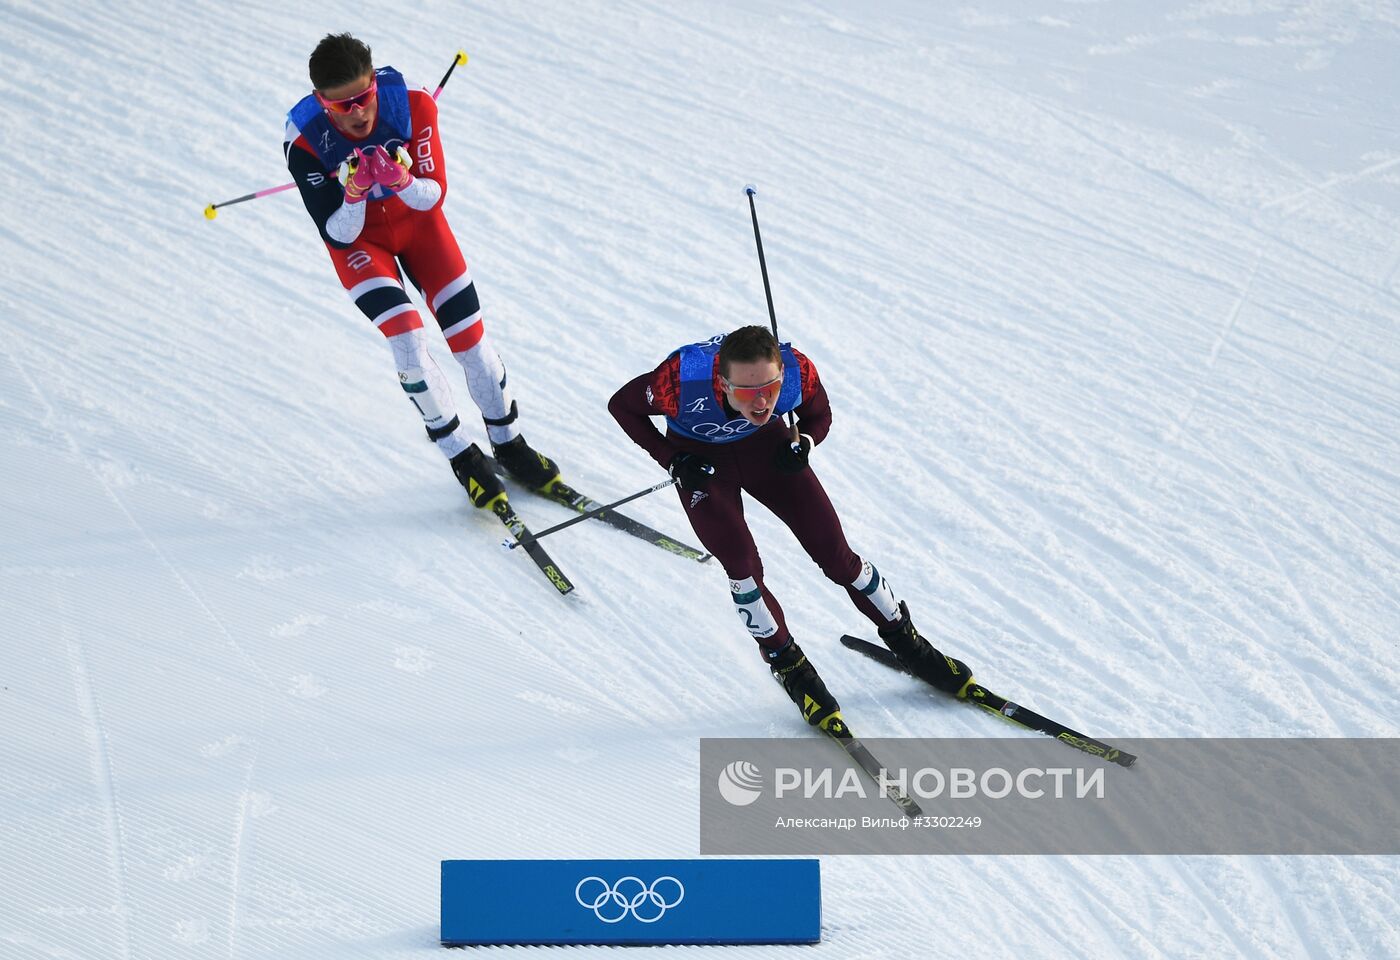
(362, 99)
(771, 389)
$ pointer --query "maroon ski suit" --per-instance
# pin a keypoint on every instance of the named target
(748, 464)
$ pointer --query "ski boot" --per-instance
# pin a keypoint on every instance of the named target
(923, 660)
(483, 487)
(799, 678)
(525, 464)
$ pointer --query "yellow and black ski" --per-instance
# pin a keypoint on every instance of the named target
(565, 495)
(1004, 708)
(560, 492)
(502, 509)
(860, 753)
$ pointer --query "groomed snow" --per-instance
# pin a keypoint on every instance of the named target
(1105, 297)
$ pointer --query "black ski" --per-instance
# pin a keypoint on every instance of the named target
(1014, 712)
(860, 753)
(502, 509)
(565, 495)
(560, 492)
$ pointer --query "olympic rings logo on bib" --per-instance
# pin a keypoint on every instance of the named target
(629, 897)
(730, 428)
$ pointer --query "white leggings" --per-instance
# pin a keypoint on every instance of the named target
(424, 384)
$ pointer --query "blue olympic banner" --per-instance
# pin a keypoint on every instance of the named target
(630, 902)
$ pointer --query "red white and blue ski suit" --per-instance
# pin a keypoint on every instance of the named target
(375, 243)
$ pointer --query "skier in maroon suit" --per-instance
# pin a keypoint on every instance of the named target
(723, 400)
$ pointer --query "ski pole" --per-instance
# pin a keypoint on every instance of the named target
(751, 190)
(212, 211)
(512, 544)
(457, 61)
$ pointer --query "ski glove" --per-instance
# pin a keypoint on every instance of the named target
(692, 470)
(788, 460)
(390, 170)
(356, 176)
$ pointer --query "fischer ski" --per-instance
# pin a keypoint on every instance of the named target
(861, 754)
(561, 493)
(503, 510)
(1007, 710)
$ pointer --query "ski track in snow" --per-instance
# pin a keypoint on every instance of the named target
(1104, 297)
(105, 778)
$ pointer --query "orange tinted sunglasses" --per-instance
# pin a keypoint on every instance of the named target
(362, 99)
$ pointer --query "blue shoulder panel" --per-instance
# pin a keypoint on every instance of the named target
(791, 395)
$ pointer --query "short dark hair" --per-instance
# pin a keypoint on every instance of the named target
(746, 345)
(338, 59)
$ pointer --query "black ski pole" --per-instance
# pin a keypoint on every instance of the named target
(751, 190)
(512, 544)
(457, 61)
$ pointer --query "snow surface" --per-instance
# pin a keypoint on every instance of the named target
(1105, 298)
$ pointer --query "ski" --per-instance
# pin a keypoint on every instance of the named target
(864, 759)
(561, 493)
(1007, 710)
(502, 509)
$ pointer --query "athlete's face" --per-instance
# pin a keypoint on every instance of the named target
(359, 121)
(752, 388)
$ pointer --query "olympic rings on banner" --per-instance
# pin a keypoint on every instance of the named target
(629, 897)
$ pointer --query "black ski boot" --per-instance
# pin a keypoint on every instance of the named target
(799, 678)
(525, 464)
(473, 472)
(922, 659)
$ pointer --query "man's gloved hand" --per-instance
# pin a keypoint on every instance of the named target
(692, 470)
(356, 177)
(788, 460)
(390, 170)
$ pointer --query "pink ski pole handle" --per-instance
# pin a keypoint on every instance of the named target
(212, 211)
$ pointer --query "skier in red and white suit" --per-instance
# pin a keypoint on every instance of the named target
(365, 153)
